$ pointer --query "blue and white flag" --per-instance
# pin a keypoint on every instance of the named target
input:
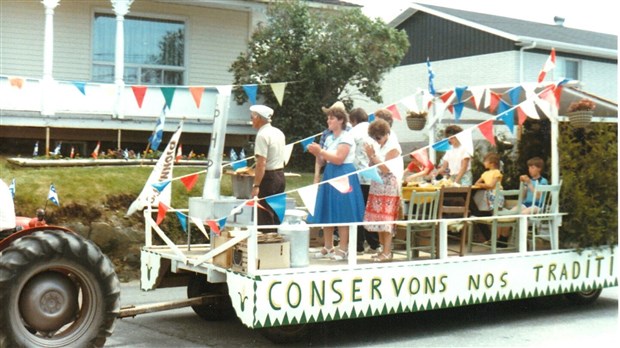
(12, 188)
(35, 152)
(158, 133)
(57, 149)
(431, 76)
(53, 195)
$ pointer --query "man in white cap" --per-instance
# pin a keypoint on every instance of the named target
(269, 155)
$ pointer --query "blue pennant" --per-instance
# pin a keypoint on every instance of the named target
(515, 94)
(160, 186)
(239, 164)
(442, 145)
(81, 86)
(371, 117)
(459, 92)
(221, 222)
(372, 173)
(307, 142)
(458, 110)
(278, 204)
(250, 90)
(182, 220)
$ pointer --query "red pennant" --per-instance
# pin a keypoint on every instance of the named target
(494, 102)
(451, 109)
(189, 181)
(522, 116)
(446, 96)
(139, 92)
(197, 94)
(215, 227)
(486, 128)
(549, 95)
(395, 113)
(161, 212)
(557, 91)
(16, 82)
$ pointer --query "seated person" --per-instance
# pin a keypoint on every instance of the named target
(419, 168)
(39, 220)
(535, 166)
(484, 198)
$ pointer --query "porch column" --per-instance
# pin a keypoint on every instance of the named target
(121, 8)
(47, 84)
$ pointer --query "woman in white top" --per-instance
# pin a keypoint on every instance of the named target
(457, 159)
(334, 206)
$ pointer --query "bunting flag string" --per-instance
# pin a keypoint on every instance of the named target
(190, 180)
(196, 93)
(250, 91)
(394, 110)
(183, 220)
(486, 128)
(161, 212)
(16, 82)
(277, 202)
(278, 91)
(168, 93)
(81, 86)
(139, 92)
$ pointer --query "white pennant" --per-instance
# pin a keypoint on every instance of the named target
(466, 140)
(308, 196)
(477, 93)
(427, 98)
(278, 91)
(487, 98)
(529, 109)
(288, 150)
(341, 184)
(224, 90)
(200, 225)
(410, 103)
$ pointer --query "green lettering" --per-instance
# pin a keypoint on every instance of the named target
(397, 287)
(598, 265)
(489, 279)
(537, 276)
(552, 268)
(337, 291)
(475, 282)
(288, 295)
(430, 285)
(273, 305)
(376, 282)
(564, 273)
(503, 279)
(317, 293)
(414, 280)
(355, 289)
(611, 266)
(576, 269)
(442, 281)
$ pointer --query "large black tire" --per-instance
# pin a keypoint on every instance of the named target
(584, 297)
(286, 334)
(220, 308)
(56, 290)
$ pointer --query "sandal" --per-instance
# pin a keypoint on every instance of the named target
(339, 255)
(324, 253)
(383, 257)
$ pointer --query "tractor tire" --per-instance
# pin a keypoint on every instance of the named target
(220, 309)
(57, 289)
(584, 297)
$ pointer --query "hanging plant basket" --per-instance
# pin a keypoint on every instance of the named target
(580, 119)
(416, 121)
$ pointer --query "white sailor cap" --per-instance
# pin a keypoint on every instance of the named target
(262, 110)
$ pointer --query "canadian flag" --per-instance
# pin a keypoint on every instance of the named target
(549, 65)
(95, 153)
(179, 153)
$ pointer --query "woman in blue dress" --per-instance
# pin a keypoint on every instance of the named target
(334, 206)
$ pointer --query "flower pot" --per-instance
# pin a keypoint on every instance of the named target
(416, 123)
(580, 119)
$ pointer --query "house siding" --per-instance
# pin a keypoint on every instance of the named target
(214, 38)
(440, 39)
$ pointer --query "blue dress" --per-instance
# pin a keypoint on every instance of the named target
(332, 206)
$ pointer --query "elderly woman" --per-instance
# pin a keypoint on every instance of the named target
(334, 206)
(384, 197)
(457, 160)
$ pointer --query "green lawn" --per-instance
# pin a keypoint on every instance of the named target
(92, 185)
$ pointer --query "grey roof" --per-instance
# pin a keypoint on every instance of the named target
(535, 30)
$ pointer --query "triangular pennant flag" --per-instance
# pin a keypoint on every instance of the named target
(450, 108)
(486, 128)
(476, 93)
(95, 153)
(458, 110)
(199, 224)
(197, 93)
(371, 117)
(487, 99)
(224, 90)
(521, 116)
(16, 82)
(442, 145)
(372, 173)
(221, 223)
(306, 142)
(308, 196)
(515, 94)
(161, 185)
(427, 99)
(288, 150)
(395, 113)
(53, 195)
(447, 97)
(250, 91)
(341, 184)
(168, 93)
(459, 93)
(549, 65)
(509, 120)
(557, 93)
(189, 181)
(278, 91)
(179, 154)
(411, 104)
(80, 86)
(278, 204)
(161, 212)
(466, 140)
(214, 226)
(139, 92)
(183, 220)
(495, 99)
(395, 165)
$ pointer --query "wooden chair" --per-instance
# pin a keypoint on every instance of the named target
(454, 204)
(496, 224)
(543, 227)
(423, 206)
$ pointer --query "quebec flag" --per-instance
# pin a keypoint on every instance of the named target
(53, 195)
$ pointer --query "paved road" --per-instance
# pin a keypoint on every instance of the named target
(547, 322)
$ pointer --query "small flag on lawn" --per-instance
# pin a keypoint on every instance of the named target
(35, 152)
(53, 195)
(12, 188)
(95, 153)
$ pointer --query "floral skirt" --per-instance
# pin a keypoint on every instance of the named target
(383, 203)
